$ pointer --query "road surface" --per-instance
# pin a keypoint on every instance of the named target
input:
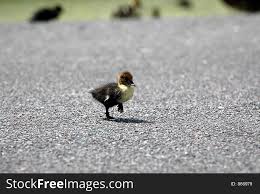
(196, 107)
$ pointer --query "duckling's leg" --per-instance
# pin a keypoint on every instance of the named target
(107, 114)
(120, 108)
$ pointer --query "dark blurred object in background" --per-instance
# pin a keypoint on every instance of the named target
(128, 11)
(244, 5)
(47, 14)
(156, 13)
(185, 4)
(125, 11)
(137, 3)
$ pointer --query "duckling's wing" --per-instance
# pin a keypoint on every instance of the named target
(108, 92)
(113, 92)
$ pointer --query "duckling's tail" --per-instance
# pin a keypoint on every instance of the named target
(91, 90)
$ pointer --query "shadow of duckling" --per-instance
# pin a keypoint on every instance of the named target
(47, 14)
(129, 120)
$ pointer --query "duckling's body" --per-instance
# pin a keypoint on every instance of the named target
(128, 11)
(244, 5)
(46, 14)
(113, 94)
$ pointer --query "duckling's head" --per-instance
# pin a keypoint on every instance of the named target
(58, 8)
(125, 78)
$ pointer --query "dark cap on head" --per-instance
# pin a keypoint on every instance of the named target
(125, 78)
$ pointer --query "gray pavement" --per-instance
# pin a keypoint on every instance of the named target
(196, 107)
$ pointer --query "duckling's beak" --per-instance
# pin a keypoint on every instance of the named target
(131, 83)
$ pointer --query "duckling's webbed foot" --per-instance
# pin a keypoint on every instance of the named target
(110, 118)
(120, 108)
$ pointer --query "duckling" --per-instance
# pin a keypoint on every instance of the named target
(47, 14)
(129, 10)
(185, 4)
(156, 12)
(244, 5)
(113, 94)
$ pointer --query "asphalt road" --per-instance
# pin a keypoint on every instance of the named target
(196, 107)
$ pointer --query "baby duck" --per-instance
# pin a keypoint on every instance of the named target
(113, 94)
(47, 14)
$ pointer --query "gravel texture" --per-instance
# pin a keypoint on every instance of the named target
(196, 107)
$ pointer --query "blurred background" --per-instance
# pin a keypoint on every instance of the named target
(82, 10)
